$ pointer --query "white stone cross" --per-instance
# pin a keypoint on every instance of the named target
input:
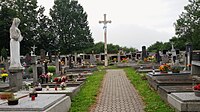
(32, 54)
(34, 49)
(105, 22)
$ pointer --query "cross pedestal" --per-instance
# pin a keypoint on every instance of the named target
(34, 67)
(15, 78)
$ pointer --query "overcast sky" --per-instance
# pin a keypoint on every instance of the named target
(134, 22)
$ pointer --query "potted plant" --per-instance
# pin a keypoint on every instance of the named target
(175, 69)
(13, 100)
(196, 90)
(164, 68)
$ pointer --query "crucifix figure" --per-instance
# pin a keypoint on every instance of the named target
(105, 38)
(33, 53)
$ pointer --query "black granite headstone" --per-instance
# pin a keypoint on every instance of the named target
(144, 52)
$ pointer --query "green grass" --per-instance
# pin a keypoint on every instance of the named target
(153, 102)
(87, 95)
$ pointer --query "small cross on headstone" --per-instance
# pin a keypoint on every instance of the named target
(33, 50)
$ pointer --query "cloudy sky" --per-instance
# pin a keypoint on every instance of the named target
(134, 22)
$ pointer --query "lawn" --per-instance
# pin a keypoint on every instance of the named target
(153, 102)
(87, 95)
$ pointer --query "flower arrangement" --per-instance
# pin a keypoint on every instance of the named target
(197, 90)
(115, 59)
(49, 75)
(3, 76)
(63, 85)
(151, 59)
(175, 69)
(59, 80)
(124, 60)
(164, 68)
(197, 87)
(44, 77)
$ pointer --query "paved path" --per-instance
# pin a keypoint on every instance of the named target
(118, 94)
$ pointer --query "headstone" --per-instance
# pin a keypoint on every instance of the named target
(42, 55)
(50, 56)
(75, 58)
(45, 67)
(174, 56)
(34, 67)
(158, 57)
(118, 57)
(70, 61)
(57, 64)
(92, 59)
(188, 56)
(66, 61)
(144, 52)
(15, 68)
(165, 58)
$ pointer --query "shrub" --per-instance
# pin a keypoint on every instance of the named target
(30, 70)
(51, 69)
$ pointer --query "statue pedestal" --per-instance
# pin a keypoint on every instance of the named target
(15, 78)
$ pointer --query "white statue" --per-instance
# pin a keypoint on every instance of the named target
(15, 38)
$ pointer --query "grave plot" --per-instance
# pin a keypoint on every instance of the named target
(169, 80)
(43, 102)
(184, 102)
(165, 90)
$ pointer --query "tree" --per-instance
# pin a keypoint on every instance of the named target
(159, 46)
(112, 49)
(71, 26)
(27, 12)
(45, 38)
(188, 25)
(179, 43)
(6, 16)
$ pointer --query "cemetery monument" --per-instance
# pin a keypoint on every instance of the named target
(15, 69)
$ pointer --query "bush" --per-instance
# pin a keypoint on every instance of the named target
(30, 70)
(51, 69)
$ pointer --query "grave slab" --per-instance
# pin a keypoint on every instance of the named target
(165, 90)
(69, 84)
(146, 70)
(169, 73)
(44, 102)
(184, 102)
(69, 91)
(169, 80)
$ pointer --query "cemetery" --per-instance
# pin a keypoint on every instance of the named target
(53, 62)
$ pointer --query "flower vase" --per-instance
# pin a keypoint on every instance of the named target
(13, 102)
(197, 93)
(63, 88)
(42, 80)
(47, 79)
(4, 79)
